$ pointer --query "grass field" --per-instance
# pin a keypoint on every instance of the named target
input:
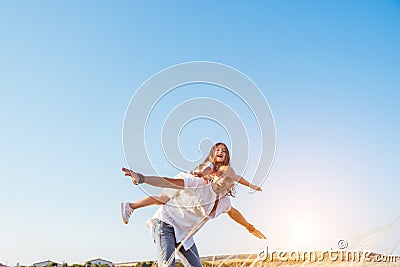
(316, 258)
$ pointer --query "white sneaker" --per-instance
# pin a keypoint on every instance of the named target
(126, 211)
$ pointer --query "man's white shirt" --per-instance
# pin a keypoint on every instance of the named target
(188, 207)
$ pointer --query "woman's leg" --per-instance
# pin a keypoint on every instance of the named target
(128, 208)
(148, 201)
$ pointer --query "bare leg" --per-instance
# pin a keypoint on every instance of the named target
(128, 208)
(148, 201)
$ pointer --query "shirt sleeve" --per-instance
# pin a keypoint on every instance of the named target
(170, 192)
(225, 204)
(191, 182)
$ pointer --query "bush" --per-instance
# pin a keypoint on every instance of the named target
(145, 264)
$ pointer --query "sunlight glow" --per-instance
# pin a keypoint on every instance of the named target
(302, 233)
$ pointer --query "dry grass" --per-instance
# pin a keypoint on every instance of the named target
(317, 258)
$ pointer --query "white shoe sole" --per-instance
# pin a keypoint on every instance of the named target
(122, 212)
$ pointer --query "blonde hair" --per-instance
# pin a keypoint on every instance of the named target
(211, 159)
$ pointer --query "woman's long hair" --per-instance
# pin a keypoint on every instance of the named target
(211, 159)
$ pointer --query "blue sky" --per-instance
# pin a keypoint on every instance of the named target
(69, 69)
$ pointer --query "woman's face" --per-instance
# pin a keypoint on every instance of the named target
(220, 154)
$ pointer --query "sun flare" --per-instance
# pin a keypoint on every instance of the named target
(302, 233)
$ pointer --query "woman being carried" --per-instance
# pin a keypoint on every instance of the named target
(217, 157)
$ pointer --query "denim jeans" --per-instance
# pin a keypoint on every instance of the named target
(164, 239)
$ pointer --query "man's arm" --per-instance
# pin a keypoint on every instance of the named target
(239, 218)
(243, 181)
(158, 181)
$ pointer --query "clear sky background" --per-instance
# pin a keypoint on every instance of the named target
(68, 69)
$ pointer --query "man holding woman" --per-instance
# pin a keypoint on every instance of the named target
(190, 203)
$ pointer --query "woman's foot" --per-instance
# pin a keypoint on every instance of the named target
(126, 211)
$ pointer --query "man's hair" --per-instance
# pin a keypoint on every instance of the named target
(231, 192)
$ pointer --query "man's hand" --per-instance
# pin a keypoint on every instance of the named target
(131, 174)
(164, 182)
(255, 232)
(127, 172)
(258, 234)
(254, 187)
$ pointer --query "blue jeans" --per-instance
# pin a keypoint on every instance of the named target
(164, 239)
